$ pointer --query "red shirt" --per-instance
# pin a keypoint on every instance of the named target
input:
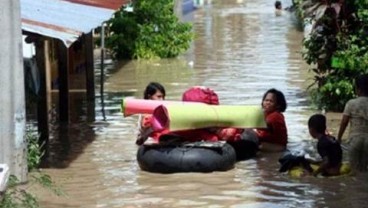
(276, 132)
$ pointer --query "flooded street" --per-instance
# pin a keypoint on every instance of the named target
(241, 49)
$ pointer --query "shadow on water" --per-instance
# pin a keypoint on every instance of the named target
(68, 141)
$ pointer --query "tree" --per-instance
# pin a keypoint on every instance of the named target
(151, 30)
(338, 47)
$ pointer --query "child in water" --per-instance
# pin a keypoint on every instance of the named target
(153, 91)
(356, 113)
(274, 138)
(328, 147)
(278, 8)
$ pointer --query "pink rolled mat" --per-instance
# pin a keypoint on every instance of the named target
(131, 106)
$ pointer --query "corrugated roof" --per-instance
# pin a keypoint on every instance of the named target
(66, 20)
(108, 4)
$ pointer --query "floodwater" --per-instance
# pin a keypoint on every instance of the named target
(241, 50)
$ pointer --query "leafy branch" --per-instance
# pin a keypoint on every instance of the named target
(18, 195)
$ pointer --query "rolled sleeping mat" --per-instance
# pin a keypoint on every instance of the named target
(131, 106)
(175, 117)
(298, 171)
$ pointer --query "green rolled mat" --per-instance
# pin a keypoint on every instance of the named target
(175, 117)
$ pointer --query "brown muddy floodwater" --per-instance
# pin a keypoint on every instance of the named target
(241, 50)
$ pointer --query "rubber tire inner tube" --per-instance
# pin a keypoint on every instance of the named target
(196, 157)
(247, 147)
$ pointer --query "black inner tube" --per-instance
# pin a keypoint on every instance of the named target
(172, 159)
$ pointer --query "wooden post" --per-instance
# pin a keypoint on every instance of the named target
(63, 64)
(102, 77)
(90, 72)
(90, 76)
(42, 102)
(12, 97)
(48, 49)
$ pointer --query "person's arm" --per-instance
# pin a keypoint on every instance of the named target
(313, 161)
(344, 123)
(345, 120)
(145, 129)
(323, 166)
(310, 161)
(275, 124)
(263, 134)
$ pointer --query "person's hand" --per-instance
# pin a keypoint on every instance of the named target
(146, 121)
(139, 141)
(327, 132)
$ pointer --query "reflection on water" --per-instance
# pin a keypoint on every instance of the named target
(241, 50)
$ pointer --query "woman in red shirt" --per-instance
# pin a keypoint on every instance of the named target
(274, 138)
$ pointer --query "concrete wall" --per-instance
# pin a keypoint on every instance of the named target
(12, 107)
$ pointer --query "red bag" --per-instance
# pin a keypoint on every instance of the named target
(229, 134)
(201, 94)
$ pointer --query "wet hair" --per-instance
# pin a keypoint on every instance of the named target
(152, 89)
(318, 123)
(280, 99)
(361, 83)
(278, 5)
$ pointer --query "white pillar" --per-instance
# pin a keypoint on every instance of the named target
(12, 104)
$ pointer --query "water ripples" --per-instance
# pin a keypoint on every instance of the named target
(241, 50)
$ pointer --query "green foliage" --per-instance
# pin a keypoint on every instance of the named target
(18, 195)
(34, 153)
(151, 31)
(46, 182)
(333, 95)
(338, 47)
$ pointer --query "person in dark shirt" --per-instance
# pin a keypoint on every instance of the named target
(328, 147)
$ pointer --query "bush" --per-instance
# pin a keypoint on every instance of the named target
(19, 196)
(338, 48)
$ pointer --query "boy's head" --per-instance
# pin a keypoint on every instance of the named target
(317, 125)
(278, 5)
(361, 84)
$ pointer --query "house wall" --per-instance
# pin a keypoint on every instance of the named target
(76, 65)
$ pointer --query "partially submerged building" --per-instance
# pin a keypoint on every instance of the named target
(61, 31)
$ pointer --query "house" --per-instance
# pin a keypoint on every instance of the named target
(61, 32)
